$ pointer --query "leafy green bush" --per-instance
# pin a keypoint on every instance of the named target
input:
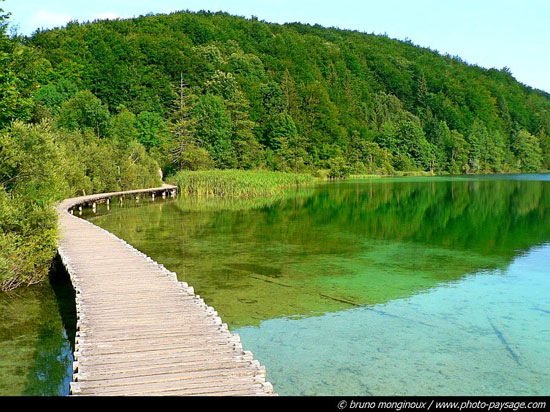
(41, 164)
(27, 240)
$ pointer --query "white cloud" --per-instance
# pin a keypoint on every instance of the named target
(46, 19)
(105, 16)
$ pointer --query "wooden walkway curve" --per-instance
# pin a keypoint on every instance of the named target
(139, 330)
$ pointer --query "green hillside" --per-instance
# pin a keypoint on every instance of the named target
(298, 97)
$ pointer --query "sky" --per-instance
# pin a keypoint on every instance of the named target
(489, 33)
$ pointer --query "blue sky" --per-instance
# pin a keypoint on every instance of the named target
(490, 33)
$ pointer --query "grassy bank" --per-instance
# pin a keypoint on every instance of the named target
(238, 183)
(431, 174)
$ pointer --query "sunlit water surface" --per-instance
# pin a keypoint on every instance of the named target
(411, 286)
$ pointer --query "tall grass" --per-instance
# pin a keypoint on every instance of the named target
(238, 183)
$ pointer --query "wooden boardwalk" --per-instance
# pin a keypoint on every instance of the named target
(139, 330)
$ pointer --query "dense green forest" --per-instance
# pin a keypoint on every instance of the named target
(103, 105)
(209, 90)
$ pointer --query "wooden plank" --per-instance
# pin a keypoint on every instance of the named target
(139, 330)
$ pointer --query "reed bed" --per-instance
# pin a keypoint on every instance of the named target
(245, 184)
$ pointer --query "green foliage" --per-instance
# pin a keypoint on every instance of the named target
(294, 96)
(27, 241)
(238, 183)
(31, 175)
(527, 150)
(41, 164)
(53, 95)
(195, 158)
(16, 83)
(457, 150)
(75, 146)
(338, 168)
(84, 111)
(545, 149)
(214, 130)
(151, 129)
(123, 127)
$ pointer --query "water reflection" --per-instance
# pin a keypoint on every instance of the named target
(37, 327)
(339, 245)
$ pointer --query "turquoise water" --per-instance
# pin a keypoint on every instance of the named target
(488, 334)
(409, 286)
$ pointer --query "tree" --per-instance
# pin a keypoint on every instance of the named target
(214, 130)
(330, 82)
(15, 103)
(283, 138)
(246, 147)
(53, 95)
(290, 94)
(439, 136)
(273, 99)
(338, 167)
(84, 111)
(544, 139)
(122, 127)
(479, 142)
(194, 158)
(185, 142)
(243, 141)
(458, 149)
(527, 150)
(151, 130)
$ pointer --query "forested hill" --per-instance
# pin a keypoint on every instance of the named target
(293, 97)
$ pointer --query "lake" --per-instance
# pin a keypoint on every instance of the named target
(395, 286)
(37, 330)
(403, 286)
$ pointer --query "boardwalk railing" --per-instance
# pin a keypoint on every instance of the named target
(139, 330)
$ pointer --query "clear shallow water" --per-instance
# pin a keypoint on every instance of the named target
(37, 327)
(445, 341)
(390, 286)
